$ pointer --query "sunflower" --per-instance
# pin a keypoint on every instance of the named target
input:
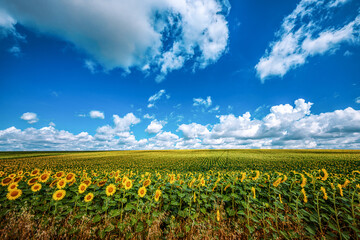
(82, 188)
(87, 182)
(32, 181)
(2, 173)
(305, 196)
(44, 177)
(70, 177)
(324, 192)
(124, 180)
(14, 194)
(218, 215)
(59, 174)
(34, 172)
(157, 195)
(341, 190)
(326, 175)
(110, 190)
(89, 197)
(18, 179)
(36, 187)
(59, 194)
(142, 192)
(128, 184)
(12, 175)
(202, 182)
(61, 184)
(12, 186)
(253, 192)
(147, 182)
(304, 180)
(6, 181)
(102, 183)
(20, 172)
(277, 182)
(243, 176)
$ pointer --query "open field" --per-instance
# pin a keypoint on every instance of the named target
(220, 194)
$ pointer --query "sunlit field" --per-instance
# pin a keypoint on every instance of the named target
(201, 194)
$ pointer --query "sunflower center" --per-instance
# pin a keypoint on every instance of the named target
(59, 195)
(14, 193)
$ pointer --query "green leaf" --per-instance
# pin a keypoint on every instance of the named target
(114, 213)
(96, 219)
(109, 228)
(310, 230)
(139, 227)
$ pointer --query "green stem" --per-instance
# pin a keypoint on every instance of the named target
(336, 215)
(318, 212)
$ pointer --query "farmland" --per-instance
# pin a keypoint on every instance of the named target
(225, 194)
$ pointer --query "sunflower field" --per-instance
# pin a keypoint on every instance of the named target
(207, 194)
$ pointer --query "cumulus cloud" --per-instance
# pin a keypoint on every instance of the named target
(148, 116)
(155, 126)
(285, 126)
(357, 100)
(159, 36)
(30, 117)
(308, 31)
(154, 98)
(96, 114)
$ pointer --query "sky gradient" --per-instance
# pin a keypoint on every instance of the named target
(114, 75)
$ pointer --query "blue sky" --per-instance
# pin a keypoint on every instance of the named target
(179, 74)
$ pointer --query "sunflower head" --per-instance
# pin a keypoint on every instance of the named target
(157, 195)
(70, 177)
(12, 175)
(110, 190)
(89, 197)
(142, 192)
(147, 182)
(14, 194)
(59, 174)
(18, 179)
(59, 194)
(44, 177)
(101, 183)
(32, 181)
(36, 187)
(34, 172)
(82, 188)
(128, 184)
(87, 182)
(6, 181)
(12, 186)
(61, 184)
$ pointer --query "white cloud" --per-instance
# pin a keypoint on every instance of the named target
(148, 116)
(15, 50)
(285, 126)
(202, 102)
(155, 126)
(154, 98)
(91, 65)
(30, 117)
(357, 100)
(158, 35)
(193, 130)
(52, 124)
(96, 114)
(305, 33)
